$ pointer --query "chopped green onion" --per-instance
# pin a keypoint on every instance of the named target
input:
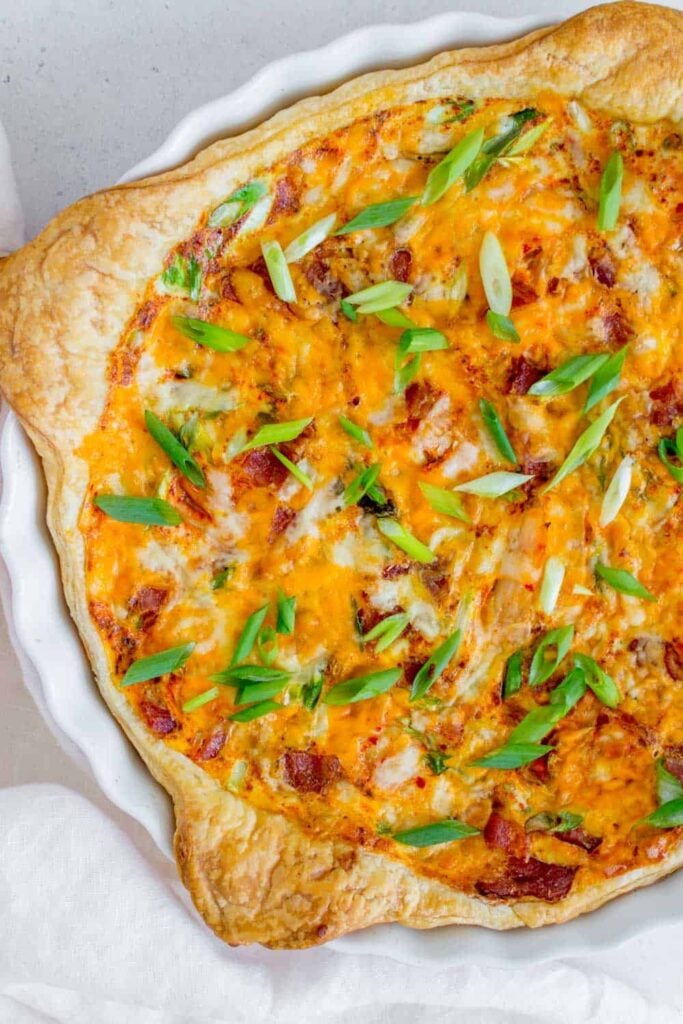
(495, 275)
(310, 693)
(606, 378)
(393, 531)
(357, 433)
(405, 373)
(379, 215)
(553, 576)
(243, 675)
(610, 192)
(618, 488)
(237, 775)
(570, 690)
(220, 578)
(220, 339)
(586, 445)
(421, 339)
(513, 755)
(565, 821)
(278, 271)
(146, 511)
(379, 297)
(201, 699)
(267, 644)
(176, 452)
(253, 693)
(502, 327)
(668, 786)
(309, 239)
(513, 675)
(362, 687)
(497, 431)
(537, 724)
(286, 612)
(361, 484)
(277, 433)
(194, 278)
(494, 485)
(240, 202)
(387, 631)
(444, 501)
(348, 310)
(394, 318)
(541, 667)
(159, 664)
(568, 376)
(623, 581)
(264, 707)
(435, 665)
(672, 446)
(247, 638)
(602, 685)
(524, 143)
(295, 470)
(452, 166)
(669, 815)
(438, 832)
(497, 146)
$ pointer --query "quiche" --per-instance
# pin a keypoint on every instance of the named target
(362, 435)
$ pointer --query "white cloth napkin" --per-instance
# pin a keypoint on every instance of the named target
(95, 929)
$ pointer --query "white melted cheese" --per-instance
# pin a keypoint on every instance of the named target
(322, 504)
(465, 456)
(398, 768)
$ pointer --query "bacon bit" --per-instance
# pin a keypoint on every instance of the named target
(553, 285)
(262, 469)
(122, 642)
(541, 768)
(212, 745)
(673, 659)
(283, 517)
(540, 469)
(123, 365)
(320, 277)
(530, 877)
(390, 572)
(226, 288)
(501, 834)
(286, 198)
(259, 267)
(420, 397)
(435, 579)
(603, 266)
(400, 264)
(182, 491)
(147, 603)
(668, 403)
(309, 772)
(204, 247)
(146, 313)
(579, 837)
(410, 669)
(522, 292)
(617, 328)
(159, 719)
(420, 782)
(369, 617)
(531, 255)
(521, 375)
(647, 649)
(673, 761)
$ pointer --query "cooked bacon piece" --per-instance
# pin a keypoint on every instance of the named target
(502, 834)
(435, 578)
(521, 375)
(540, 469)
(522, 292)
(204, 246)
(673, 659)
(390, 572)
(227, 289)
(420, 397)
(531, 255)
(262, 469)
(121, 640)
(286, 198)
(647, 649)
(188, 496)
(309, 772)
(667, 401)
(603, 266)
(617, 328)
(283, 517)
(320, 277)
(579, 837)
(147, 603)
(212, 745)
(541, 768)
(259, 267)
(400, 263)
(123, 365)
(530, 877)
(673, 761)
(146, 313)
(158, 718)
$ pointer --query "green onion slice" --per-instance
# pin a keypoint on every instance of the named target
(267, 644)
(502, 327)
(543, 667)
(606, 378)
(568, 376)
(553, 577)
(444, 501)
(669, 815)
(362, 687)
(623, 581)
(494, 485)
(452, 166)
(545, 821)
(147, 511)
(393, 531)
(602, 685)
(247, 638)
(394, 318)
(586, 445)
(435, 665)
(497, 146)
(513, 755)
(359, 434)
(240, 202)
(616, 493)
(379, 297)
(277, 433)
(537, 724)
(348, 310)
(610, 192)
(497, 431)
(672, 446)
(421, 339)
(387, 631)
(278, 271)
(201, 699)
(309, 239)
(220, 339)
(286, 613)
(264, 707)
(361, 484)
(310, 693)
(524, 143)
(253, 693)
(295, 470)
(379, 215)
(668, 786)
(159, 664)
(438, 832)
(570, 690)
(512, 682)
(495, 275)
(243, 675)
(176, 452)
(404, 374)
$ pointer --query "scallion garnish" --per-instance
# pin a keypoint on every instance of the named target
(264, 707)
(542, 667)
(497, 431)
(497, 146)
(201, 699)
(379, 215)
(379, 297)
(349, 311)
(616, 492)
(672, 447)
(176, 452)
(286, 612)
(610, 192)
(435, 665)
(668, 786)
(446, 831)
(240, 202)
(512, 682)
(452, 167)
(502, 327)
(606, 378)
(220, 339)
(551, 584)
(130, 509)
(602, 685)
(536, 724)
(184, 275)
(494, 485)
(570, 691)
(405, 372)
(623, 581)
(309, 239)
(444, 501)
(159, 664)
(310, 693)
(277, 433)
(361, 484)
(669, 815)
(253, 693)
(524, 143)
(295, 470)
(387, 631)
(421, 339)
(359, 434)
(567, 376)
(278, 271)
(398, 535)
(545, 821)
(247, 638)
(362, 687)
(513, 755)
(586, 445)
(495, 275)
(394, 318)
(249, 675)
(267, 644)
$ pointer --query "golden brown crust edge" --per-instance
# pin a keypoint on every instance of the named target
(65, 298)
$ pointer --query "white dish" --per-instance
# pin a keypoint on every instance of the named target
(54, 664)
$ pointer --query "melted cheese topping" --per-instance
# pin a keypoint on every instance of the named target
(254, 529)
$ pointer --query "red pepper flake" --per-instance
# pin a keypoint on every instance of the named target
(420, 782)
